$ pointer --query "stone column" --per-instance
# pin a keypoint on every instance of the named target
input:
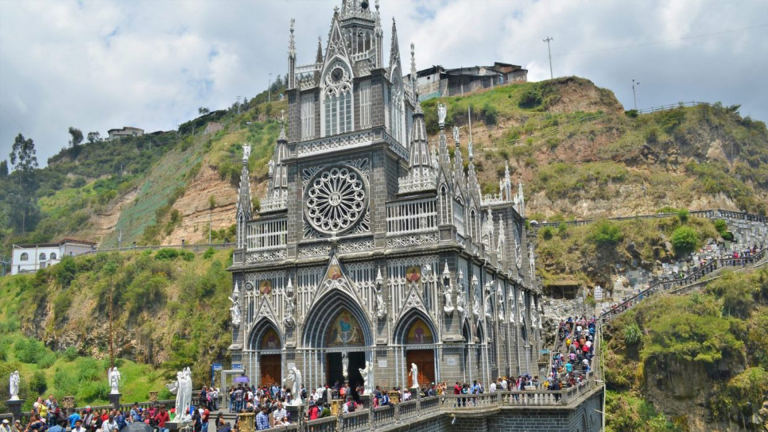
(14, 406)
(114, 400)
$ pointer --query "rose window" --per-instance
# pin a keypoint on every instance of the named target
(335, 199)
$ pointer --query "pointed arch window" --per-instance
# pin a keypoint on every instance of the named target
(473, 225)
(445, 205)
(240, 230)
(396, 114)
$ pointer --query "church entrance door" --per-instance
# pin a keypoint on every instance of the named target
(425, 360)
(335, 369)
(270, 369)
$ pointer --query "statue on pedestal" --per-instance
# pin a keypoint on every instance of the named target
(14, 385)
(476, 297)
(365, 373)
(114, 379)
(235, 309)
(293, 382)
(182, 388)
(344, 365)
(447, 290)
(414, 375)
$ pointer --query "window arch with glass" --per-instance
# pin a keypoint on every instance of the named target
(337, 101)
(24, 257)
(42, 256)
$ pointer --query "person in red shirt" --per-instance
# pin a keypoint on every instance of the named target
(161, 418)
(313, 412)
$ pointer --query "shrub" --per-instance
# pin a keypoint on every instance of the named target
(721, 226)
(531, 98)
(490, 114)
(683, 215)
(209, 253)
(70, 354)
(167, 254)
(632, 334)
(606, 233)
(631, 113)
(65, 271)
(187, 255)
(684, 240)
(546, 233)
(38, 384)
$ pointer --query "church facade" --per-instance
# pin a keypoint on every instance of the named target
(372, 248)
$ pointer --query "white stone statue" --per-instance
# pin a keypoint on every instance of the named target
(381, 306)
(365, 373)
(114, 379)
(477, 297)
(14, 385)
(271, 166)
(246, 152)
(235, 310)
(293, 382)
(521, 307)
(414, 375)
(447, 290)
(344, 365)
(488, 302)
(183, 390)
(441, 114)
(290, 307)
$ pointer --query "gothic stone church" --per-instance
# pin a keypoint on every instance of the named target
(372, 244)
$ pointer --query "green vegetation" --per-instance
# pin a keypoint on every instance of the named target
(588, 253)
(685, 240)
(167, 306)
(705, 339)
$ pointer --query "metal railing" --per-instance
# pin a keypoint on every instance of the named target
(670, 107)
(709, 214)
(667, 284)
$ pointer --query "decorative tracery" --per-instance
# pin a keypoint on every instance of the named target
(335, 200)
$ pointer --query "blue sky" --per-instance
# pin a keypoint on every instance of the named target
(101, 64)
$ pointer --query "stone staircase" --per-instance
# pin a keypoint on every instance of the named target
(707, 272)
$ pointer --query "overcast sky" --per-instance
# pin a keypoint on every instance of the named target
(101, 64)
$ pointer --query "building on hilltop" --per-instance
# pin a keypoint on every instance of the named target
(126, 131)
(438, 81)
(371, 246)
(33, 257)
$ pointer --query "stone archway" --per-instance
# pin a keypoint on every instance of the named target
(264, 354)
(416, 336)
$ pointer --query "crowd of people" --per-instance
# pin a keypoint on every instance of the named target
(571, 367)
(48, 416)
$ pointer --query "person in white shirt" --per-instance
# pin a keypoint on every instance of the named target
(504, 384)
(110, 425)
(280, 415)
(78, 426)
(493, 387)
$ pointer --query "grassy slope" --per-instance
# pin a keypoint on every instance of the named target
(701, 357)
(170, 312)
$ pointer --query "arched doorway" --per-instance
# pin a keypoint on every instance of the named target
(467, 359)
(265, 355)
(336, 329)
(417, 339)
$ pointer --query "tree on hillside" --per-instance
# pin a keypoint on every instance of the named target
(203, 110)
(94, 137)
(24, 159)
(77, 137)
(3, 169)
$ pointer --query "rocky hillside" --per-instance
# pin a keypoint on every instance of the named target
(577, 151)
(696, 362)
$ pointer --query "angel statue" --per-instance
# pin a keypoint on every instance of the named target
(447, 290)
(235, 310)
(477, 297)
(365, 373)
(293, 382)
(14, 384)
(414, 373)
(114, 379)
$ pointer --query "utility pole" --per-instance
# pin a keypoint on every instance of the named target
(549, 51)
(269, 88)
(634, 95)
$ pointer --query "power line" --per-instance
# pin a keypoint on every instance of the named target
(662, 41)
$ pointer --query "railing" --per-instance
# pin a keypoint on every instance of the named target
(383, 415)
(670, 106)
(710, 214)
(273, 203)
(325, 424)
(411, 217)
(408, 409)
(267, 234)
(667, 284)
(359, 420)
(190, 247)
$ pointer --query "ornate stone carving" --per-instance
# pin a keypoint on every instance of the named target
(447, 290)
(335, 200)
(476, 297)
(290, 305)
(381, 306)
(412, 240)
(263, 256)
(356, 246)
(461, 301)
(488, 301)
(314, 250)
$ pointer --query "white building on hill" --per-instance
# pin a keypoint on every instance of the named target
(33, 257)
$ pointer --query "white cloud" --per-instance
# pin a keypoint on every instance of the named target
(101, 64)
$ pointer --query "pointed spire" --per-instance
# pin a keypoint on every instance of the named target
(521, 200)
(446, 271)
(394, 50)
(414, 80)
(507, 182)
(420, 155)
(501, 240)
(458, 163)
(379, 34)
(292, 41)
(319, 56)
(244, 205)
